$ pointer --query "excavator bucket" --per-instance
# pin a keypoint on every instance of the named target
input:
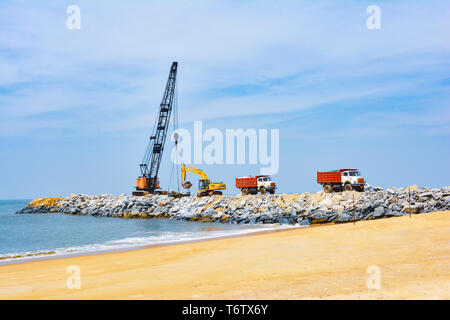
(186, 184)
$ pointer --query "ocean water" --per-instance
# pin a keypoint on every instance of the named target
(28, 236)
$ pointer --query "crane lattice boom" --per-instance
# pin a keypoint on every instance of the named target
(148, 181)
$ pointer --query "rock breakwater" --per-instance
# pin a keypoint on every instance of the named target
(302, 208)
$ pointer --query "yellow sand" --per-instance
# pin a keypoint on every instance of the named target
(413, 255)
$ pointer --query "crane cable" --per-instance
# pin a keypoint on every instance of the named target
(175, 129)
(176, 141)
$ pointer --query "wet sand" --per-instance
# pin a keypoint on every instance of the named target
(324, 262)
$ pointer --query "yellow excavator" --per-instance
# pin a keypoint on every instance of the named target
(205, 186)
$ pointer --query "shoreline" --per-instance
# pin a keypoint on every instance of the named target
(325, 262)
(43, 257)
(275, 228)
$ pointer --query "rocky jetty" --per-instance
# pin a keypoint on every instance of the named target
(302, 208)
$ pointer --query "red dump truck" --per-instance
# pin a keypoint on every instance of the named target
(342, 179)
(251, 185)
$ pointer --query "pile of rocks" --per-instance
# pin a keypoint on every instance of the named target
(302, 208)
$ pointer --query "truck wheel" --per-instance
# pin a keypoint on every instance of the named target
(272, 191)
(360, 188)
(348, 187)
(327, 188)
(245, 191)
(263, 190)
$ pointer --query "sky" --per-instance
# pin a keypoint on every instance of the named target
(77, 106)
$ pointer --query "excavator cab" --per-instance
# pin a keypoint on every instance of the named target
(203, 185)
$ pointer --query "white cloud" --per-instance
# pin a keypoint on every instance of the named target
(118, 62)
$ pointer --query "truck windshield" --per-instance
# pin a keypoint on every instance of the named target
(353, 173)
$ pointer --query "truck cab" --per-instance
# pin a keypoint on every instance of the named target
(352, 178)
(265, 182)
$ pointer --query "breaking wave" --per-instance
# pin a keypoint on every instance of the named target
(162, 238)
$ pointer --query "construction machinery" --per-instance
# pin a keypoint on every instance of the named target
(205, 186)
(148, 182)
(342, 179)
(255, 184)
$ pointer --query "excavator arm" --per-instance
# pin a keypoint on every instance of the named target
(192, 170)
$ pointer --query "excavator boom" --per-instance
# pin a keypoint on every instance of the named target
(192, 170)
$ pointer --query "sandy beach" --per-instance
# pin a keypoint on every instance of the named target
(323, 262)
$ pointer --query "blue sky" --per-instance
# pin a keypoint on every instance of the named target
(77, 106)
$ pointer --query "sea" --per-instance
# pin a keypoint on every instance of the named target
(25, 237)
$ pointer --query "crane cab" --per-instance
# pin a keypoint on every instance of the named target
(141, 183)
(145, 185)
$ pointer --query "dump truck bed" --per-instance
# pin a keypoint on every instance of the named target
(247, 182)
(329, 177)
